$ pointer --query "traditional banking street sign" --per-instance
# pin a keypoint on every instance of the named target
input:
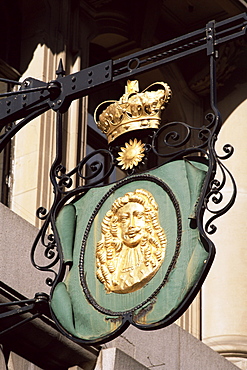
(136, 248)
(135, 251)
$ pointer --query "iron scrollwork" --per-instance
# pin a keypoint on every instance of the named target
(215, 192)
(62, 182)
(173, 140)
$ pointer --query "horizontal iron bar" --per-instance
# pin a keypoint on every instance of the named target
(60, 93)
(160, 46)
(17, 302)
(36, 315)
(22, 103)
(17, 311)
(233, 28)
(231, 19)
(79, 84)
(6, 80)
(230, 37)
(159, 62)
(145, 60)
(10, 293)
(9, 93)
(5, 138)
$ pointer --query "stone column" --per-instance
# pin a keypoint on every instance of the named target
(34, 148)
(48, 37)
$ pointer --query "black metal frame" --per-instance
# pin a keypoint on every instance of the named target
(36, 97)
(16, 305)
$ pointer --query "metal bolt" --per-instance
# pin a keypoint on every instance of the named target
(59, 102)
(73, 78)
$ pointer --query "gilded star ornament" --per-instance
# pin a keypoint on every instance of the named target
(131, 154)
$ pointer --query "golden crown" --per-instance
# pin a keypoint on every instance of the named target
(134, 110)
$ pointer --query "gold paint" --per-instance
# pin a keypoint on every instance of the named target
(133, 244)
(141, 316)
(114, 322)
(131, 154)
(134, 110)
(132, 87)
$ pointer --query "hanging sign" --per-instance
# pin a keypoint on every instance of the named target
(135, 251)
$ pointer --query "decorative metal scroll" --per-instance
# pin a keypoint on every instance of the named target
(171, 142)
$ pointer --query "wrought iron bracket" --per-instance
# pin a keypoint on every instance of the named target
(210, 32)
(35, 97)
(36, 307)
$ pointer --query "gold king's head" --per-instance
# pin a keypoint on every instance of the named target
(134, 110)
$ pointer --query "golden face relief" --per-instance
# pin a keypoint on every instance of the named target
(131, 221)
(132, 246)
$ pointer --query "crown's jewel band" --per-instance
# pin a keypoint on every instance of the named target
(134, 110)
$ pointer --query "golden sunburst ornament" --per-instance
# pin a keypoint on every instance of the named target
(131, 154)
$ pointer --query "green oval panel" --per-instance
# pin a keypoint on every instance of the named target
(168, 218)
